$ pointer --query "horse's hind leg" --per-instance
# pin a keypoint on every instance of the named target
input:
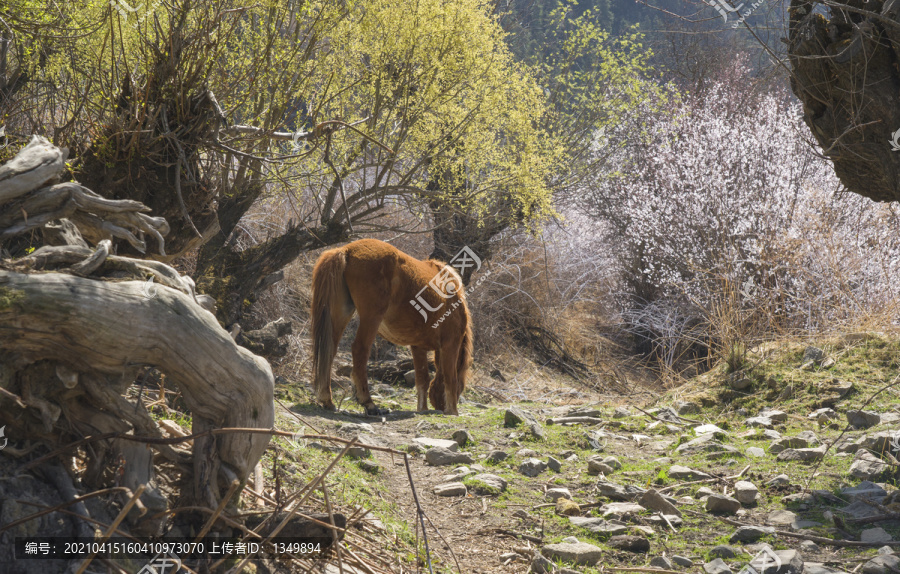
(436, 389)
(362, 345)
(420, 364)
(447, 367)
(341, 314)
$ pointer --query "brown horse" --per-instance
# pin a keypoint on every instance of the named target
(391, 292)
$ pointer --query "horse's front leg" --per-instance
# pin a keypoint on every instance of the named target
(362, 345)
(420, 364)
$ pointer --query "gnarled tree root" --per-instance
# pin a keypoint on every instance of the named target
(109, 328)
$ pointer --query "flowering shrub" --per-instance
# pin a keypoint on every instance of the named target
(723, 215)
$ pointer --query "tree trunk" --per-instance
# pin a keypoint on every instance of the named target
(845, 71)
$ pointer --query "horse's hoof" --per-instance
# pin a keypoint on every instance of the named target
(329, 407)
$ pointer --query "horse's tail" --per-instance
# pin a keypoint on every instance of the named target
(465, 351)
(329, 290)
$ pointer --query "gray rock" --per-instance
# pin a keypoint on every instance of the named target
(581, 553)
(621, 413)
(738, 381)
(759, 422)
(808, 546)
(723, 551)
(678, 472)
(515, 416)
(687, 408)
(791, 562)
(683, 561)
(620, 509)
(701, 443)
(597, 466)
(876, 535)
(774, 414)
(801, 524)
(615, 491)
(425, 442)
(629, 543)
(462, 437)
(886, 550)
(817, 568)
(867, 466)
(612, 462)
(756, 452)
(717, 566)
(802, 454)
(451, 489)
(497, 456)
(439, 456)
(787, 442)
(823, 415)
(541, 565)
(813, 355)
(658, 520)
(780, 480)
(884, 564)
(599, 525)
(859, 509)
(410, 378)
(532, 467)
(570, 540)
(663, 562)
(487, 484)
(554, 464)
(864, 489)
(882, 441)
(655, 501)
(537, 431)
(751, 533)
(554, 493)
(781, 517)
(863, 419)
(746, 492)
(709, 429)
(527, 453)
(721, 504)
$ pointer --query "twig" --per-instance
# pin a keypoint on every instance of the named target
(114, 526)
(221, 508)
(419, 511)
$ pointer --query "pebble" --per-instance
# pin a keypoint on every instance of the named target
(717, 566)
(580, 553)
(451, 489)
(555, 493)
(496, 456)
(721, 504)
(781, 517)
(487, 484)
(532, 467)
(462, 437)
(723, 551)
(877, 534)
(554, 464)
(780, 480)
(746, 492)
(629, 543)
(663, 562)
(439, 456)
(682, 561)
(678, 472)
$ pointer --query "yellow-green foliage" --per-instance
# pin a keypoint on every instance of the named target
(434, 81)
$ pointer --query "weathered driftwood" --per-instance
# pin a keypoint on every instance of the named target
(29, 201)
(71, 342)
(107, 328)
